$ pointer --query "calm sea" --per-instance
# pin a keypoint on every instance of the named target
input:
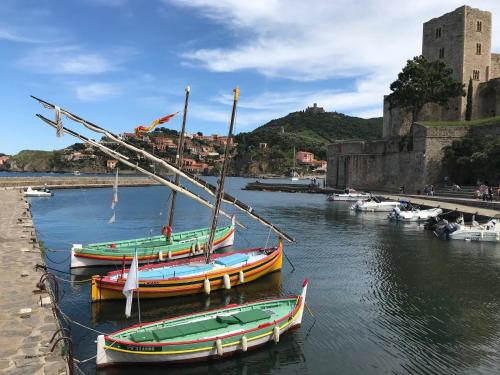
(386, 298)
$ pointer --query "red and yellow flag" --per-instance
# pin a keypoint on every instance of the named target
(144, 129)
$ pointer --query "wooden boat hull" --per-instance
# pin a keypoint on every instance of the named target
(111, 350)
(157, 254)
(103, 288)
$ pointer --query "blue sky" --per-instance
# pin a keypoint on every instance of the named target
(123, 63)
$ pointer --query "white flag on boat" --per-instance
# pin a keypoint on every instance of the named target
(130, 285)
(112, 220)
(115, 192)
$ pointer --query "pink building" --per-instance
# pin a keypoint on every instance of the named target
(3, 159)
(304, 157)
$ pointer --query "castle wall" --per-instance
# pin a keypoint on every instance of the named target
(473, 60)
(451, 38)
(374, 165)
(495, 66)
(396, 122)
(414, 161)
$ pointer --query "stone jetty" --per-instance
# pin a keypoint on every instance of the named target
(71, 182)
(27, 321)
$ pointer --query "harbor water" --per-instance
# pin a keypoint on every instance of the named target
(383, 297)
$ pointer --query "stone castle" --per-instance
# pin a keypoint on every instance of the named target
(462, 39)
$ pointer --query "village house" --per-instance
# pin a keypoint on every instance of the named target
(304, 157)
(193, 166)
(3, 159)
(162, 143)
(111, 164)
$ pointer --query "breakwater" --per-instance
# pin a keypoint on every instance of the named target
(70, 182)
(290, 188)
(27, 319)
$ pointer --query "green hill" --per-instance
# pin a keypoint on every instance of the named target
(303, 130)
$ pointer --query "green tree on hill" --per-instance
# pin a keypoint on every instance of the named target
(422, 81)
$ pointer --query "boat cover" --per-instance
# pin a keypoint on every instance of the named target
(163, 273)
(231, 260)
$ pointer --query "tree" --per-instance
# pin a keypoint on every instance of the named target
(468, 109)
(422, 81)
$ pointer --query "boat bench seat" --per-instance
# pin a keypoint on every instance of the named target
(244, 317)
(187, 329)
(142, 336)
(251, 315)
(173, 272)
(231, 260)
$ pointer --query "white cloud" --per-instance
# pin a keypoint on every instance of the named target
(74, 59)
(367, 41)
(96, 91)
(306, 41)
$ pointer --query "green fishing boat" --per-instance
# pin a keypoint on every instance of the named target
(205, 335)
(150, 249)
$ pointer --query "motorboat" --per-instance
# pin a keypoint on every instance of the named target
(488, 232)
(413, 215)
(38, 192)
(349, 195)
(375, 204)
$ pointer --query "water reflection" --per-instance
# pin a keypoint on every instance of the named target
(436, 305)
(267, 287)
(388, 298)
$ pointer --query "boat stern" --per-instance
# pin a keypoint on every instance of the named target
(102, 359)
(298, 319)
(74, 261)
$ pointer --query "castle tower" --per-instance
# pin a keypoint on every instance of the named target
(462, 39)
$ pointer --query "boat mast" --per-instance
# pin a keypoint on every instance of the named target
(209, 188)
(126, 161)
(178, 158)
(223, 172)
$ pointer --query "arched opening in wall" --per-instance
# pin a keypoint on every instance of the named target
(488, 102)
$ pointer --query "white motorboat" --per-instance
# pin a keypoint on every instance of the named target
(38, 193)
(414, 215)
(351, 195)
(375, 206)
(489, 232)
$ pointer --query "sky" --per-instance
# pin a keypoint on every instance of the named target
(124, 63)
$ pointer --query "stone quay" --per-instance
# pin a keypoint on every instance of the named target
(27, 320)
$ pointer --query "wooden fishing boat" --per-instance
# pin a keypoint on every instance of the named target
(192, 276)
(150, 249)
(202, 336)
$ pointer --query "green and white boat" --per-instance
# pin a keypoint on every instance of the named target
(150, 249)
(202, 336)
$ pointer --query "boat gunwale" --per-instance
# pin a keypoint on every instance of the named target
(292, 313)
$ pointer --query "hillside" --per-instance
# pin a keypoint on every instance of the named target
(303, 130)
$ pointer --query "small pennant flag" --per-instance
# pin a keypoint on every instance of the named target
(144, 129)
(112, 220)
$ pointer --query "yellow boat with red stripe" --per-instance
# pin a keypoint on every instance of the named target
(192, 276)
